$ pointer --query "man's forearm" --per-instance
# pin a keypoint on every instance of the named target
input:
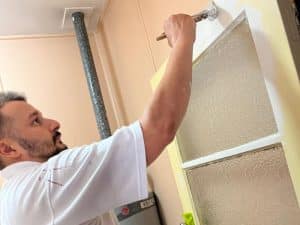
(169, 103)
(165, 112)
(172, 95)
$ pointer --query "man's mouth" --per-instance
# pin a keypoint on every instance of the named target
(58, 143)
(56, 137)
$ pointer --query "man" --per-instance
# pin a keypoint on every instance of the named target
(46, 183)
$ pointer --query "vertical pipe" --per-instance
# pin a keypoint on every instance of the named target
(91, 74)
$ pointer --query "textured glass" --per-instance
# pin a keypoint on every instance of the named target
(229, 103)
(254, 189)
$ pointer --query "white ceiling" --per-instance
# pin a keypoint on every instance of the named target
(44, 17)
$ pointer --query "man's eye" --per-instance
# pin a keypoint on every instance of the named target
(36, 122)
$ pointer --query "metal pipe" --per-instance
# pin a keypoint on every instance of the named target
(91, 74)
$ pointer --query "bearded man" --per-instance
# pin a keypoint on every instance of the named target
(46, 183)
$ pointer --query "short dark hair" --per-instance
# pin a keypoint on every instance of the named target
(6, 97)
(10, 96)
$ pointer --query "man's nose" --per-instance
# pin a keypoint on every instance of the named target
(53, 125)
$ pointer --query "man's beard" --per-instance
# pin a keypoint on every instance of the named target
(42, 149)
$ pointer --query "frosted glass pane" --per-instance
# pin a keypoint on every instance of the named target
(254, 189)
(229, 103)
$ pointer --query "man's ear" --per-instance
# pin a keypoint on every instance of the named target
(7, 150)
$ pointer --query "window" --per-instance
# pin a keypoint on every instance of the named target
(229, 141)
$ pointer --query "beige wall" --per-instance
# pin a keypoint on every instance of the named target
(128, 31)
(49, 71)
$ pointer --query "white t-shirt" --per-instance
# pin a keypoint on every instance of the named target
(77, 185)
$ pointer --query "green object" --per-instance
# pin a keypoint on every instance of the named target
(188, 218)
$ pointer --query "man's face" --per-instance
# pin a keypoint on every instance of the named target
(36, 136)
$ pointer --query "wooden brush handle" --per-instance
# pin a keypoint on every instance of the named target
(197, 18)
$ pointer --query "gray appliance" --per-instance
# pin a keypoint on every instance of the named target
(143, 212)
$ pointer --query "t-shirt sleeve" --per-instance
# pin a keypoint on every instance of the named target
(88, 181)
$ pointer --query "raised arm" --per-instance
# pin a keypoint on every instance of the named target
(168, 105)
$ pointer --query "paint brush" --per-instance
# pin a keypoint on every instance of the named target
(210, 14)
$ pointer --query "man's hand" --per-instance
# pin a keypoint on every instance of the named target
(165, 112)
(180, 28)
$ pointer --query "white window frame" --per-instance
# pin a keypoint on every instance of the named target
(212, 31)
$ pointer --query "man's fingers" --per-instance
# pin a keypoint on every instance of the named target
(179, 27)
